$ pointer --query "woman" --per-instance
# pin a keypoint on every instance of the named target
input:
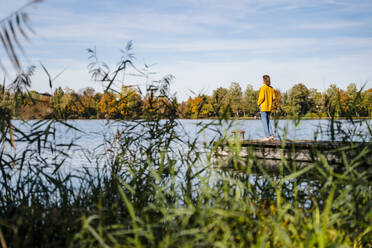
(265, 102)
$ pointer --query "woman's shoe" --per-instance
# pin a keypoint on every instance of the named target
(265, 139)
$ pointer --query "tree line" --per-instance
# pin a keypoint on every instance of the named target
(128, 103)
(299, 101)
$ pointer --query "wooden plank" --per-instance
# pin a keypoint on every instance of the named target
(306, 151)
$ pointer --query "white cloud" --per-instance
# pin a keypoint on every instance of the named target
(63, 25)
(228, 45)
(261, 45)
(249, 6)
(330, 25)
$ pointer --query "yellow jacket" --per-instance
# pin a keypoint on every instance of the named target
(265, 98)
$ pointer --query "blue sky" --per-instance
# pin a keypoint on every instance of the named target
(206, 44)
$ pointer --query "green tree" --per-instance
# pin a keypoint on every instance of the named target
(366, 103)
(235, 96)
(299, 100)
(250, 101)
(318, 101)
(332, 101)
(220, 101)
(352, 102)
(57, 103)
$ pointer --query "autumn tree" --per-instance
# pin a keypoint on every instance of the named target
(5, 101)
(89, 102)
(200, 106)
(277, 104)
(108, 105)
(183, 110)
(70, 103)
(126, 104)
(129, 103)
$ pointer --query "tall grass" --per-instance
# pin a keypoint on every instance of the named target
(154, 186)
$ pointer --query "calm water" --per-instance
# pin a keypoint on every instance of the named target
(94, 132)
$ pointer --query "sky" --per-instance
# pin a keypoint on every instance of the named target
(204, 44)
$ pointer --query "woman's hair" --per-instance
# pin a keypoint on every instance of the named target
(266, 79)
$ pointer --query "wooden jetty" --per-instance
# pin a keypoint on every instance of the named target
(303, 152)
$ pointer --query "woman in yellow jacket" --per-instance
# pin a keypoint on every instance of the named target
(265, 103)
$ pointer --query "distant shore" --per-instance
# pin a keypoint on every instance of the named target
(214, 118)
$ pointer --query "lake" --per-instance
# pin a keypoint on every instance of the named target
(94, 133)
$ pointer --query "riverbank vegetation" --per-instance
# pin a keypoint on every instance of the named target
(128, 103)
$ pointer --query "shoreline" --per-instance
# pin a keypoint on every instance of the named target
(212, 118)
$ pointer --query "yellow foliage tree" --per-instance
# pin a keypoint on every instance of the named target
(199, 106)
(126, 104)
